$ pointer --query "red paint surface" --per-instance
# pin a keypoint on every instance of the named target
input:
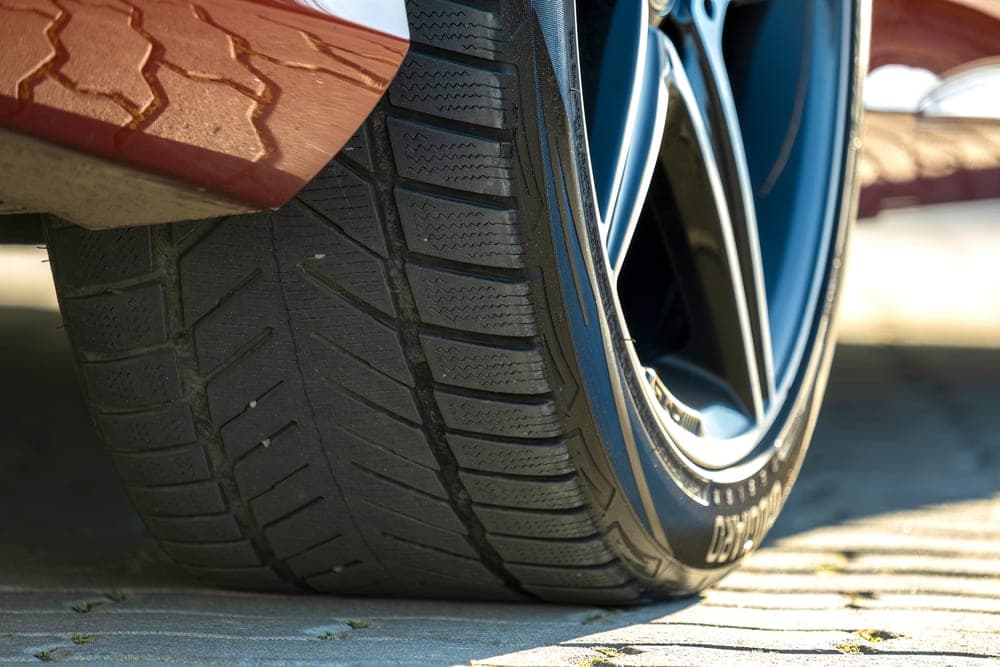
(248, 98)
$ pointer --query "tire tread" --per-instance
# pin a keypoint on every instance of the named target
(358, 403)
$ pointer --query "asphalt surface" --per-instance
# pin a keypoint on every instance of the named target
(888, 550)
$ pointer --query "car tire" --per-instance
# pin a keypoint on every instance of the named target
(399, 384)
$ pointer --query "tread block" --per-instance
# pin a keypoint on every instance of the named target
(408, 477)
(145, 380)
(453, 90)
(288, 492)
(84, 258)
(227, 333)
(236, 386)
(338, 189)
(321, 557)
(385, 489)
(459, 28)
(262, 418)
(461, 231)
(218, 527)
(363, 427)
(230, 258)
(384, 461)
(145, 431)
(523, 493)
(452, 159)
(335, 565)
(395, 548)
(403, 472)
(357, 148)
(472, 303)
(487, 367)
(270, 461)
(499, 417)
(118, 321)
(179, 501)
(358, 377)
(363, 336)
(565, 553)
(390, 497)
(189, 464)
(238, 554)
(303, 528)
(417, 530)
(332, 257)
(323, 312)
(481, 454)
(540, 524)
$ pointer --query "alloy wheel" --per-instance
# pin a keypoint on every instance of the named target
(714, 129)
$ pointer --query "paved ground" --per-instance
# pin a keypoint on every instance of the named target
(925, 276)
(889, 549)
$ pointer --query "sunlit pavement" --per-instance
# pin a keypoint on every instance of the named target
(888, 550)
(927, 276)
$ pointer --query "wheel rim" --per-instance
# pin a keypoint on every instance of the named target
(717, 182)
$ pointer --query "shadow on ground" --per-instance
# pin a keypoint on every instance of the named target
(903, 428)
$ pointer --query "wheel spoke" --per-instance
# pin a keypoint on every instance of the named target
(639, 161)
(705, 68)
(627, 120)
(697, 219)
(623, 77)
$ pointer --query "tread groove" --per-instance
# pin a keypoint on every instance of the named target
(113, 287)
(264, 444)
(288, 515)
(317, 545)
(337, 386)
(395, 482)
(315, 335)
(258, 399)
(240, 353)
(323, 283)
(428, 547)
(319, 217)
(409, 325)
(382, 448)
(108, 410)
(198, 392)
(409, 517)
(281, 481)
(243, 284)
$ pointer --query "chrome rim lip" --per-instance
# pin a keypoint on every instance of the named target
(718, 453)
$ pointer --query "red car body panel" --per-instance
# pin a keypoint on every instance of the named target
(936, 35)
(241, 102)
(243, 98)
